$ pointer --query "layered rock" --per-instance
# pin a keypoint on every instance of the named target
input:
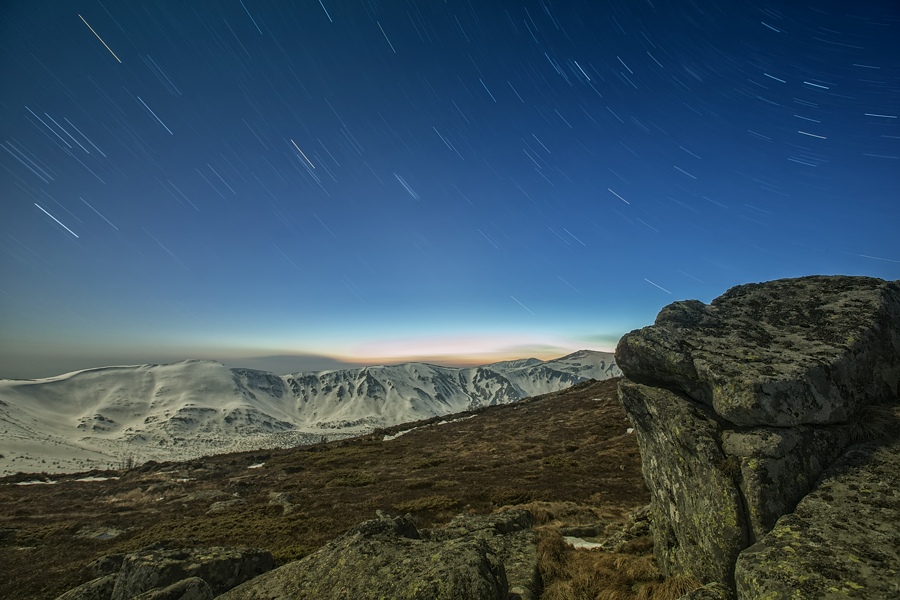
(740, 405)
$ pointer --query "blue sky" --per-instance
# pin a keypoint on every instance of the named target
(447, 181)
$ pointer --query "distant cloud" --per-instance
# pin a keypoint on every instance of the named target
(283, 364)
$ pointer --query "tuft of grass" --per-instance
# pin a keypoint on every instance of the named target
(134, 497)
(560, 461)
(730, 467)
(552, 553)
(512, 497)
(429, 463)
(873, 422)
(420, 484)
(639, 545)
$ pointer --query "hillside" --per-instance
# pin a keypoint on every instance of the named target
(567, 453)
(98, 418)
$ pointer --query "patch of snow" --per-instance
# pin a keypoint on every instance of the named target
(37, 482)
(95, 478)
(256, 466)
(576, 542)
(388, 438)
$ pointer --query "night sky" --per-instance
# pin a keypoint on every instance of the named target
(444, 180)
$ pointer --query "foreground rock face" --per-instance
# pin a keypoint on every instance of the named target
(740, 406)
(389, 558)
(783, 353)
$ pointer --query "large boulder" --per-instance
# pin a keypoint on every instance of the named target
(739, 407)
(788, 352)
(843, 539)
(510, 537)
(388, 557)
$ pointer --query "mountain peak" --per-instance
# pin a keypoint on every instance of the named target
(94, 418)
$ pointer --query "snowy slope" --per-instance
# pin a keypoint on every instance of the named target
(99, 417)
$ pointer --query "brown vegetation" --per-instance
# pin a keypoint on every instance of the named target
(580, 574)
(565, 455)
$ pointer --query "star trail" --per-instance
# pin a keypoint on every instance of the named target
(451, 181)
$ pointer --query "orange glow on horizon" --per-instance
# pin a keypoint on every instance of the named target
(461, 351)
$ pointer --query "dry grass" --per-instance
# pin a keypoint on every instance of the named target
(565, 456)
(579, 574)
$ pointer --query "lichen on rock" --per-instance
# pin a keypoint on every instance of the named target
(741, 405)
(697, 512)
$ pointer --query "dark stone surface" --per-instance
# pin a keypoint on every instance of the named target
(221, 568)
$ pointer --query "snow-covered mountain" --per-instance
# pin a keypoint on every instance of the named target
(99, 417)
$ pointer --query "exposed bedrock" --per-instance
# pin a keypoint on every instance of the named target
(741, 405)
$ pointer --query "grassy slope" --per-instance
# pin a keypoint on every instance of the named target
(568, 446)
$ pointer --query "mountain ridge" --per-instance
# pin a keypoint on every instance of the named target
(94, 418)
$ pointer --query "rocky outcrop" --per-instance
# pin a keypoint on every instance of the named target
(509, 537)
(782, 353)
(739, 406)
(163, 573)
(389, 557)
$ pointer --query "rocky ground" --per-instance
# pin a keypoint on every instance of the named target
(567, 456)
